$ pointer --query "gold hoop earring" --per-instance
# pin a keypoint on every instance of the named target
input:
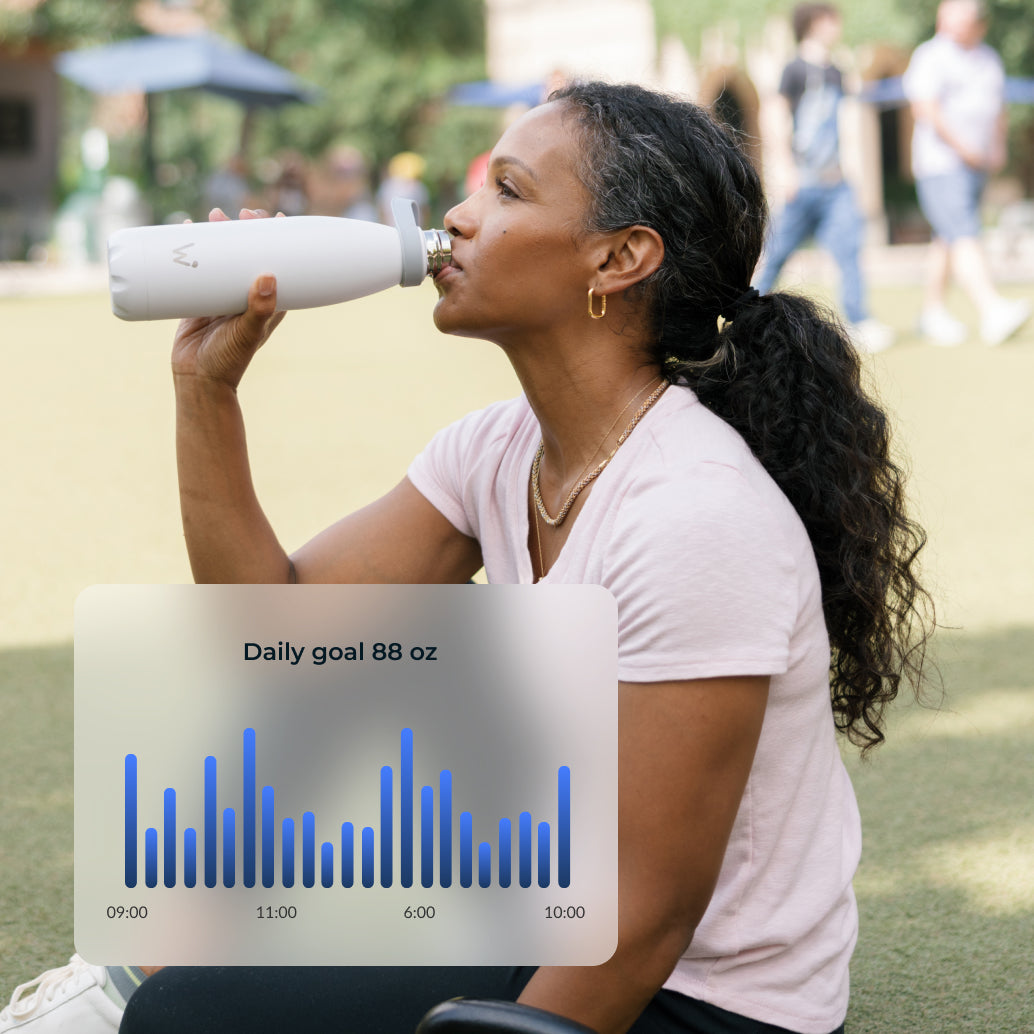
(603, 306)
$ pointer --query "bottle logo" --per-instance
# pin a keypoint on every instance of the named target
(181, 258)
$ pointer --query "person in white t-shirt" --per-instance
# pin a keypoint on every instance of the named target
(709, 456)
(956, 85)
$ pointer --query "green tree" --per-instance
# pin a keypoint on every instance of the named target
(383, 69)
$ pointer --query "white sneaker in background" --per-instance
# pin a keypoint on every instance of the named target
(1003, 320)
(941, 328)
(871, 336)
(67, 1000)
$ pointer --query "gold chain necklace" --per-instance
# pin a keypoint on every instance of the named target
(536, 491)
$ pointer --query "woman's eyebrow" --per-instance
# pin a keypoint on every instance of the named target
(506, 159)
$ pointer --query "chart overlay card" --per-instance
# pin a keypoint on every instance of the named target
(346, 775)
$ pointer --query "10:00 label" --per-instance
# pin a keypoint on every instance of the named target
(560, 912)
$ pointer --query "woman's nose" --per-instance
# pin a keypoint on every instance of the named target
(459, 220)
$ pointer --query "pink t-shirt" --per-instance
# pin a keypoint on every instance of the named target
(714, 575)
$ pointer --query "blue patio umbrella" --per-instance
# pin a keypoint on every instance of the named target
(155, 64)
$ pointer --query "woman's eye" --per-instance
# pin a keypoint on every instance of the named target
(505, 189)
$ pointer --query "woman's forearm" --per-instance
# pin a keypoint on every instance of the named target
(610, 997)
(228, 536)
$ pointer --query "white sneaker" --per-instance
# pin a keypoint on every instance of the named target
(68, 1000)
(871, 336)
(941, 328)
(1002, 321)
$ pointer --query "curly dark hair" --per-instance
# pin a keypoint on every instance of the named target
(780, 369)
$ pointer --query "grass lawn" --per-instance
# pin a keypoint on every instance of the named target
(336, 407)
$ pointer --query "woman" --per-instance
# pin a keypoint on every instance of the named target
(616, 229)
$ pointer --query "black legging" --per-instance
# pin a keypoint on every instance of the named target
(363, 1000)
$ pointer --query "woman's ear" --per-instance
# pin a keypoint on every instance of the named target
(632, 255)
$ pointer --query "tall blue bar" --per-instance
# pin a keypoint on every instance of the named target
(484, 865)
(368, 859)
(268, 836)
(445, 827)
(190, 857)
(229, 848)
(248, 816)
(131, 820)
(406, 810)
(151, 857)
(327, 865)
(211, 823)
(466, 849)
(524, 849)
(563, 831)
(170, 837)
(386, 838)
(287, 851)
(426, 836)
(543, 854)
(309, 849)
(505, 852)
(347, 854)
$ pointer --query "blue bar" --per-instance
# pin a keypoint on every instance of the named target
(327, 864)
(505, 852)
(543, 854)
(131, 806)
(268, 839)
(466, 849)
(563, 832)
(406, 810)
(170, 837)
(151, 857)
(287, 850)
(426, 837)
(386, 839)
(368, 856)
(445, 827)
(189, 857)
(524, 848)
(484, 865)
(211, 823)
(248, 816)
(229, 848)
(347, 854)
(309, 849)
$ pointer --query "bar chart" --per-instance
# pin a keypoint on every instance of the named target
(265, 836)
(346, 775)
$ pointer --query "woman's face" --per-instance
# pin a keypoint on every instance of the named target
(522, 262)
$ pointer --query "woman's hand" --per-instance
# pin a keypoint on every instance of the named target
(219, 348)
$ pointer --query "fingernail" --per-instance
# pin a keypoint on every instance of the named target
(266, 285)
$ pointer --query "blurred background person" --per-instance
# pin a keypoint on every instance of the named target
(340, 185)
(820, 203)
(228, 187)
(404, 179)
(290, 193)
(956, 85)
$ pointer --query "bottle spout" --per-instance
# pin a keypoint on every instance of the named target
(439, 250)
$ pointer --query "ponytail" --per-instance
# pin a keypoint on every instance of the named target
(780, 370)
(786, 376)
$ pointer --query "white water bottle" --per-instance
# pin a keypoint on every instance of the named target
(206, 269)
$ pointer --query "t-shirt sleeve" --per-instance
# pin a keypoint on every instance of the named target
(439, 471)
(922, 79)
(793, 82)
(705, 581)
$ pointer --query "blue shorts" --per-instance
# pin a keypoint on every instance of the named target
(951, 202)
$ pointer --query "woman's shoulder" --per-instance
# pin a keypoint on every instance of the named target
(696, 469)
